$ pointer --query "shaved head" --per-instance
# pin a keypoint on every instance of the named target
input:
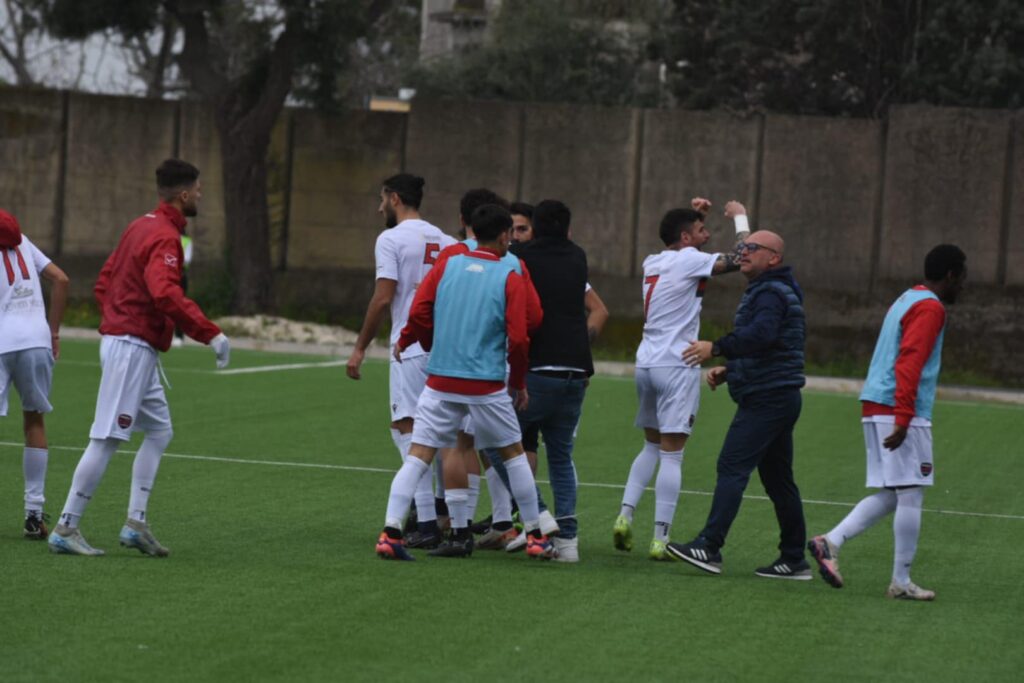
(760, 252)
(767, 238)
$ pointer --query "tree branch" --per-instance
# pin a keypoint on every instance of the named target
(195, 59)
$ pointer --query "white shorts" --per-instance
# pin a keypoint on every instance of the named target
(407, 380)
(909, 465)
(439, 416)
(31, 373)
(669, 399)
(131, 397)
(467, 426)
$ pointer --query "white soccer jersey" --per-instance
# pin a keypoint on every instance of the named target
(406, 253)
(673, 290)
(22, 311)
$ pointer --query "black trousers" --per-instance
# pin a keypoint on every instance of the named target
(760, 437)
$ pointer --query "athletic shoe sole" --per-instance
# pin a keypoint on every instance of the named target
(709, 567)
(800, 576)
(831, 576)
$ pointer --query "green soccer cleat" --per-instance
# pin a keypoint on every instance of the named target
(658, 552)
(135, 534)
(622, 534)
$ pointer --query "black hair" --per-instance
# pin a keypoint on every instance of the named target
(489, 221)
(408, 187)
(551, 218)
(477, 198)
(943, 260)
(521, 209)
(675, 222)
(175, 174)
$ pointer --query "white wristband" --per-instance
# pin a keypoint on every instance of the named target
(742, 225)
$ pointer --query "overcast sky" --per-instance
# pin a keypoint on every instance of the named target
(96, 65)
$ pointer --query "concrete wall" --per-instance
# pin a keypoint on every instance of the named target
(114, 147)
(31, 140)
(587, 157)
(944, 181)
(199, 144)
(457, 146)
(337, 167)
(819, 193)
(1014, 196)
(859, 202)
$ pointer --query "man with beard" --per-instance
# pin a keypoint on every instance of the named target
(140, 300)
(405, 252)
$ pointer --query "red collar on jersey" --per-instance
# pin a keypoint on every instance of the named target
(486, 253)
(176, 217)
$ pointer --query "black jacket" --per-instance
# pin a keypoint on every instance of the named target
(558, 268)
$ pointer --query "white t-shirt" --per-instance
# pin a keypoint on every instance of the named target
(673, 291)
(406, 253)
(22, 311)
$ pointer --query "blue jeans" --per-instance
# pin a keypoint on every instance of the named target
(554, 407)
(760, 437)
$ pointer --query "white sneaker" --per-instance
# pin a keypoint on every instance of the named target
(566, 549)
(518, 544)
(910, 591)
(548, 525)
(67, 541)
(135, 534)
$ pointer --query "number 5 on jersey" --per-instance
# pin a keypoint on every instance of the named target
(430, 253)
(649, 282)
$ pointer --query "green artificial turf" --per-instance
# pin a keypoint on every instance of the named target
(272, 574)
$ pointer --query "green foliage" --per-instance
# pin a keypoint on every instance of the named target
(540, 53)
(842, 58)
(78, 20)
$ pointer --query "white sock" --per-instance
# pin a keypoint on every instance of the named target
(524, 490)
(402, 487)
(640, 474)
(501, 499)
(424, 495)
(906, 528)
(474, 496)
(458, 502)
(396, 437)
(147, 461)
(87, 477)
(34, 465)
(865, 514)
(666, 491)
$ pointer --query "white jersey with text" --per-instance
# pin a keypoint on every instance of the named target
(406, 253)
(673, 290)
(22, 311)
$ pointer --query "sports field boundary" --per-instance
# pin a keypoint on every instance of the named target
(604, 368)
(384, 470)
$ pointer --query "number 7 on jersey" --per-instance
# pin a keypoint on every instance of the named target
(649, 282)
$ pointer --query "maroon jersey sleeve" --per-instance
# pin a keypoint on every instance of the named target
(163, 280)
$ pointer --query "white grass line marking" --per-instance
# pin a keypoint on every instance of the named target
(288, 366)
(233, 371)
(384, 470)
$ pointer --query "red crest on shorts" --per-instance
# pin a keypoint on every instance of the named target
(124, 421)
(926, 469)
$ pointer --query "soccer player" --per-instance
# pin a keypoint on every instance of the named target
(465, 450)
(140, 301)
(405, 252)
(475, 302)
(896, 411)
(29, 346)
(667, 388)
